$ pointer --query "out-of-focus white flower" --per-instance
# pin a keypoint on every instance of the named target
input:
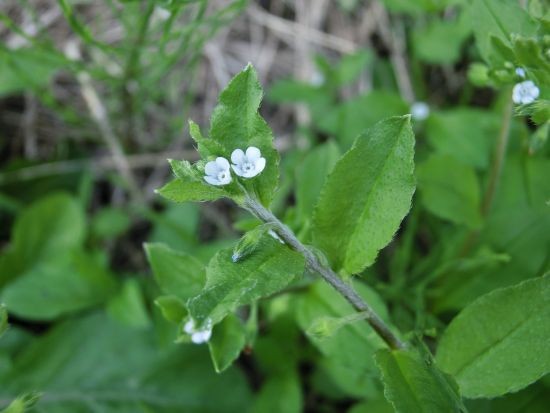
(420, 110)
(217, 172)
(317, 79)
(198, 336)
(161, 14)
(248, 164)
(525, 92)
(520, 71)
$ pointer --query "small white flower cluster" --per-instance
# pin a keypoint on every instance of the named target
(524, 92)
(245, 164)
(420, 110)
(198, 336)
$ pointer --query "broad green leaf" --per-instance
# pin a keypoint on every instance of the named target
(109, 223)
(95, 361)
(465, 134)
(228, 339)
(177, 226)
(366, 196)
(450, 190)
(412, 384)
(500, 19)
(236, 124)
(321, 300)
(228, 285)
(51, 228)
(176, 273)
(348, 120)
(128, 306)
(533, 399)
(499, 343)
(440, 41)
(311, 175)
(517, 225)
(372, 406)
(280, 393)
(53, 289)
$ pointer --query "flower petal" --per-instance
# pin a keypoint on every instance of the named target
(189, 327)
(211, 168)
(237, 156)
(237, 169)
(212, 180)
(222, 163)
(253, 154)
(260, 165)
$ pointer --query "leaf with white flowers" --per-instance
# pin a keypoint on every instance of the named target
(236, 124)
(366, 196)
(271, 267)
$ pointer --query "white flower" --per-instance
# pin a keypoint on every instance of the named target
(248, 164)
(420, 110)
(525, 92)
(198, 336)
(520, 71)
(217, 172)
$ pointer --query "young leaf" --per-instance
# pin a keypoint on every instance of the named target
(128, 306)
(236, 124)
(22, 403)
(415, 385)
(270, 268)
(499, 343)
(228, 339)
(177, 273)
(172, 308)
(366, 196)
(450, 190)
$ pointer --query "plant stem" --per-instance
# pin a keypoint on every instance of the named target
(325, 272)
(495, 172)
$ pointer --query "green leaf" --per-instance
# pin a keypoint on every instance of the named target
(176, 273)
(50, 228)
(173, 309)
(280, 393)
(311, 174)
(450, 190)
(128, 306)
(533, 399)
(236, 124)
(228, 339)
(499, 343)
(348, 120)
(500, 19)
(272, 267)
(109, 223)
(464, 133)
(366, 196)
(95, 361)
(440, 41)
(180, 190)
(343, 345)
(26, 68)
(412, 384)
(53, 289)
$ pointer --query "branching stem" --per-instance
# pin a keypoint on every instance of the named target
(315, 264)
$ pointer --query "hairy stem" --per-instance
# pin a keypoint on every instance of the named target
(325, 272)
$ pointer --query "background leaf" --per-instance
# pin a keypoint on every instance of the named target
(499, 343)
